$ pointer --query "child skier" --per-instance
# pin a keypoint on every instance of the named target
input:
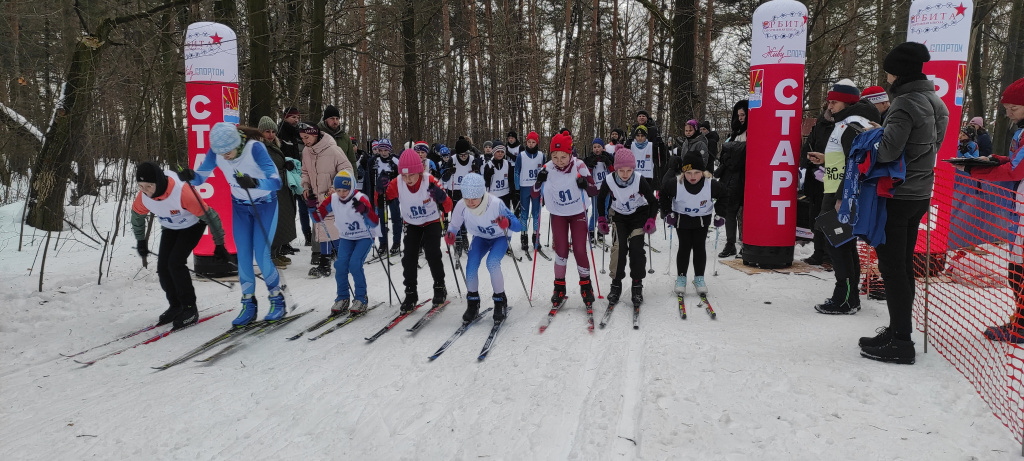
(179, 210)
(254, 183)
(385, 167)
(498, 176)
(643, 151)
(528, 165)
(357, 226)
(566, 194)
(489, 220)
(599, 162)
(466, 162)
(686, 204)
(633, 209)
(421, 201)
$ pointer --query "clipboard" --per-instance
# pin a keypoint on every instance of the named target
(835, 231)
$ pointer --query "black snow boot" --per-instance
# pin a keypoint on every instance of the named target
(189, 315)
(893, 351)
(309, 238)
(559, 293)
(525, 240)
(500, 306)
(472, 306)
(440, 293)
(729, 250)
(638, 292)
(410, 301)
(883, 337)
(169, 315)
(587, 290)
(615, 291)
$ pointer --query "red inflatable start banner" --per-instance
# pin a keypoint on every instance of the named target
(777, 57)
(211, 92)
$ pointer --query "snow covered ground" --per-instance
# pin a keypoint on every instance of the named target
(769, 379)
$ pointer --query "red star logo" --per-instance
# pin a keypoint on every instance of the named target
(805, 19)
(216, 38)
(961, 9)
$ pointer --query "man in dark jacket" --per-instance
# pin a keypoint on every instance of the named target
(330, 124)
(813, 187)
(659, 151)
(852, 115)
(291, 146)
(914, 128)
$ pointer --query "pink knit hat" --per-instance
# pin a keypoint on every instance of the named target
(410, 162)
(624, 158)
(978, 121)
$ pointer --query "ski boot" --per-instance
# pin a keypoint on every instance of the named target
(681, 285)
(395, 250)
(248, 313)
(536, 237)
(277, 307)
(559, 293)
(615, 292)
(525, 241)
(472, 306)
(593, 241)
(340, 307)
(314, 258)
(169, 315)
(357, 307)
(500, 306)
(440, 294)
(638, 292)
(411, 298)
(698, 283)
(189, 315)
(587, 291)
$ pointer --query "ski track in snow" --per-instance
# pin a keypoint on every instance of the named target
(764, 381)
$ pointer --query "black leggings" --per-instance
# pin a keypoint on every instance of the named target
(428, 237)
(896, 262)
(845, 259)
(692, 240)
(175, 246)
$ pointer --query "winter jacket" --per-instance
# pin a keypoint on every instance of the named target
(984, 142)
(668, 195)
(320, 164)
(1011, 168)
(342, 139)
(638, 218)
(285, 204)
(732, 172)
(914, 127)
(868, 183)
(698, 144)
(291, 141)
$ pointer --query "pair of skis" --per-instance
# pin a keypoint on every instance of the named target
(608, 315)
(488, 344)
(345, 320)
(152, 339)
(703, 303)
(434, 310)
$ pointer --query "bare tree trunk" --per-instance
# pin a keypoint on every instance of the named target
(409, 71)
(261, 84)
(683, 59)
(293, 70)
(317, 51)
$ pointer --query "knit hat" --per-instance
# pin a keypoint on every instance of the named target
(624, 158)
(374, 145)
(488, 144)
(875, 94)
(410, 163)
(444, 151)
(498, 146)
(310, 129)
(473, 186)
(384, 144)
(705, 124)
(561, 142)
(512, 134)
(907, 58)
(692, 161)
(149, 172)
(534, 136)
(290, 111)
(598, 141)
(692, 123)
(224, 138)
(844, 91)
(331, 111)
(343, 180)
(421, 146)
(266, 124)
(640, 129)
(1014, 94)
(978, 121)
(644, 113)
(462, 145)
(970, 132)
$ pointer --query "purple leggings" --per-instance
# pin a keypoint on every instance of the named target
(561, 226)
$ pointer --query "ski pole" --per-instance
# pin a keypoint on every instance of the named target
(387, 270)
(714, 265)
(514, 261)
(594, 261)
(455, 274)
(650, 259)
(207, 277)
(533, 275)
(669, 265)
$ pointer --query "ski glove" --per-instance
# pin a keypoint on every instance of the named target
(581, 182)
(187, 174)
(438, 194)
(311, 203)
(360, 207)
(719, 221)
(602, 225)
(220, 254)
(382, 183)
(503, 222)
(289, 166)
(649, 226)
(449, 238)
(143, 247)
(542, 176)
(671, 220)
(247, 182)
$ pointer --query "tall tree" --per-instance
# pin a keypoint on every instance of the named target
(261, 84)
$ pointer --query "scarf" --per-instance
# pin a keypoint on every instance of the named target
(641, 145)
(693, 189)
(625, 183)
(482, 207)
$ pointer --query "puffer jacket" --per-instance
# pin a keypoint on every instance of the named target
(320, 164)
(916, 123)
